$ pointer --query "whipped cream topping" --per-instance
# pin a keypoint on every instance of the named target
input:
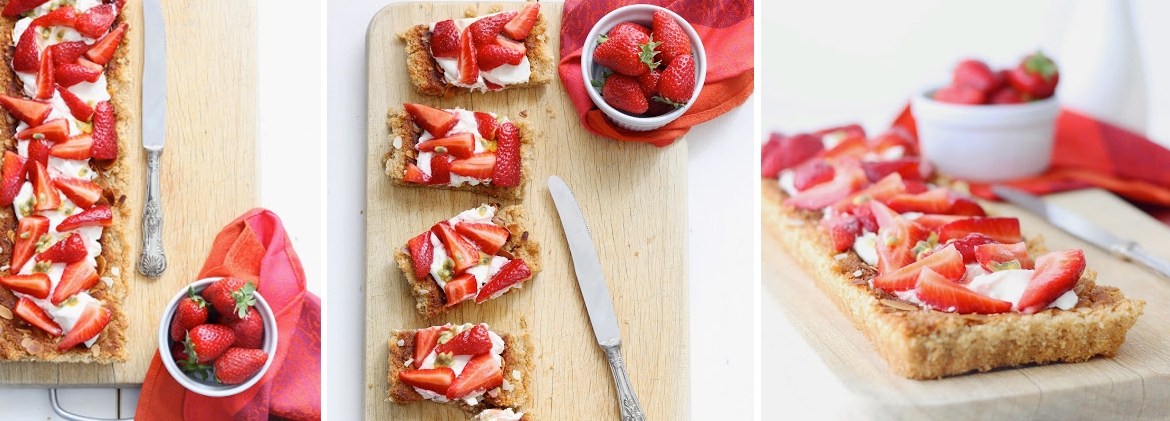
(494, 414)
(504, 75)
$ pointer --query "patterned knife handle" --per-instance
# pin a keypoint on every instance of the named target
(631, 409)
(153, 261)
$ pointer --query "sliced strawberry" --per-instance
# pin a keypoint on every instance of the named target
(1056, 273)
(994, 257)
(95, 216)
(82, 193)
(47, 197)
(510, 275)
(78, 277)
(460, 289)
(866, 218)
(968, 244)
(38, 151)
(11, 177)
(435, 121)
(105, 136)
(895, 137)
(788, 152)
(934, 222)
(71, 249)
(848, 179)
(458, 249)
(445, 40)
(460, 145)
(36, 316)
(843, 230)
(492, 56)
(812, 173)
(487, 125)
(506, 170)
(484, 30)
(29, 111)
(436, 380)
(103, 50)
(16, 7)
(934, 201)
(896, 243)
(28, 233)
(69, 74)
(96, 21)
(493, 87)
(908, 168)
(472, 341)
(487, 237)
(27, 58)
(425, 341)
(943, 295)
(965, 206)
(947, 262)
(415, 175)
(91, 322)
(916, 186)
(422, 252)
(55, 130)
(34, 284)
(479, 166)
(883, 215)
(890, 186)
(520, 26)
(468, 63)
(77, 147)
(482, 373)
(851, 147)
(61, 16)
(441, 169)
(1004, 230)
(68, 51)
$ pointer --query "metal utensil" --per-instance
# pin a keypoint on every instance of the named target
(1076, 225)
(596, 294)
(153, 261)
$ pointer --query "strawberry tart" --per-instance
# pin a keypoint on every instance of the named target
(483, 372)
(497, 51)
(937, 285)
(62, 279)
(459, 150)
(478, 255)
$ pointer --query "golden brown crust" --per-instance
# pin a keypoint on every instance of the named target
(404, 135)
(18, 340)
(927, 344)
(427, 76)
(517, 367)
(432, 300)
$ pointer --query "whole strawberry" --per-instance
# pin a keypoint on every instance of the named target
(191, 311)
(677, 82)
(630, 53)
(623, 27)
(249, 330)
(624, 93)
(231, 297)
(236, 365)
(208, 341)
(675, 42)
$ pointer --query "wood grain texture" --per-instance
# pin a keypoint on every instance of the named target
(633, 197)
(1131, 385)
(209, 170)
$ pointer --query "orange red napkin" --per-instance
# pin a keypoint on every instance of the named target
(254, 247)
(726, 28)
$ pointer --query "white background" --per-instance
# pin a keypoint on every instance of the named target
(721, 218)
(833, 62)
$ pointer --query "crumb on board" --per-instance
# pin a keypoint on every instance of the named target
(524, 113)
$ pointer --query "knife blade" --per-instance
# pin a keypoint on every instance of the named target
(153, 260)
(591, 279)
(1081, 228)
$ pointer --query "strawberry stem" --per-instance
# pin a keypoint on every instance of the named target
(663, 100)
(648, 53)
(244, 299)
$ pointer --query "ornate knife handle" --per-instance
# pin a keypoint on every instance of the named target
(631, 409)
(1134, 252)
(153, 261)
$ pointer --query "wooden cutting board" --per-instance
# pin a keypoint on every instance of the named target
(633, 197)
(209, 170)
(1133, 384)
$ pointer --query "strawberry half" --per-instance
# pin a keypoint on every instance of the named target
(843, 229)
(495, 55)
(472, 341)
(889, 186)
(425, 341)
(968, 244)
(909, 168)
(511, 274)
(38, 151)
(487, 237)
(944, 295)
(435, 121)
(415, 175)
(487, 125)
(460, 289)
(1056, 273)
(82, 193)
(436, 380)
(481, 373)
(28, 233)
(781, 153)
(896, 242)
(812, 173)
(11, 178)
(27, 58)
(71, 249)
(68, 51)
(55, 130)
(69, 74)
(34, 284)
(61, 16)
(934, 222)
(16, 7)
(948, 263)
(445, 40)
(458, 249)
(91, 322)
(1003, 230)
(468, 63)
(936, 201)
(506, 171)
(478, 166)
(459, 145)
(47, 197)
(103, 50)
(32, 314)
(422, 252)
(30, 112)
(520, 26)
(77, 148)
(848, 179)
(441, 169)
(484, 31)
(993, 257)
(96, 21)
(97, 215)
(78, 276)
(105, 137)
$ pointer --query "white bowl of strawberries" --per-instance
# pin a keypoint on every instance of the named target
(226, 334)
(643, 66)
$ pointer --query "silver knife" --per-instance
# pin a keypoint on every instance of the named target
(596, 294)
(1076, 225)
(153, 261)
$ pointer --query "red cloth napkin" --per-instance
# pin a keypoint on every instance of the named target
(726, 28)
(254, 247)
(1092, 153)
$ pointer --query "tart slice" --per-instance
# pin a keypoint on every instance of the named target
(476, 256)
(937, 285)
(502, 50)
(459, 149)
(468, 365)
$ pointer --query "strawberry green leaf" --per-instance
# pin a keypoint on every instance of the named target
(659, 98)
(648, 53)
(1040, 64)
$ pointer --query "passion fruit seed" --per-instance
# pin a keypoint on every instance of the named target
(1009, 265)
(44, 242)
(444, 359)
(43, 266)
(446, 336)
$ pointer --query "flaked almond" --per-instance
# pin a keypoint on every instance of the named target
(101, 264)
(975, 317)
(96, 350)
(5, 313)
(12, 236)
(899, 305)
(505, 253)
(33, 347)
